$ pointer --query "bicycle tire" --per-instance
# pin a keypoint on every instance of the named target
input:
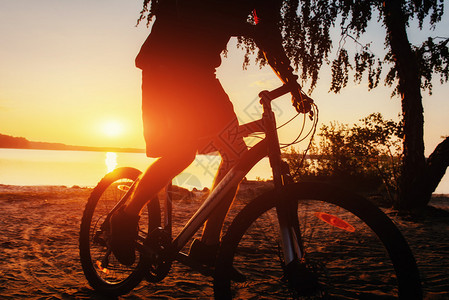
(337, 254)
(112, 279)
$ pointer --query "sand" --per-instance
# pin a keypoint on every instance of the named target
(39, 248)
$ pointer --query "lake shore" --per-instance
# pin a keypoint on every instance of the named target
(39, 246)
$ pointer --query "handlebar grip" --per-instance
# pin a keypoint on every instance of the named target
(276, 93)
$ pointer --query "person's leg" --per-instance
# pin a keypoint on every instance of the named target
(157, 176)
(212, 228)
(231, 147)
(124, 222)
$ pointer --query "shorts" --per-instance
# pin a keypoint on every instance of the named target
(183, 109)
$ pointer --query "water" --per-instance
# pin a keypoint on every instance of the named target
(86, 168)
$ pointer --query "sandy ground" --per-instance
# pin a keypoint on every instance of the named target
(39, 248)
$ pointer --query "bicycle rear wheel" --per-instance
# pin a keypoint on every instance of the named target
(102, 270)
(351, 249)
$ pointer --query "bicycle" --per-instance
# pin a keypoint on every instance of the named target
(318, 248)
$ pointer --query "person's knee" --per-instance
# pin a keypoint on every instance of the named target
(182, 156)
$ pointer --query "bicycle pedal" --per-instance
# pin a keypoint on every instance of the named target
(188, 261)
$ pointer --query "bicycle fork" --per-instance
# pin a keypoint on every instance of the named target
(288, 224)
(296, 273)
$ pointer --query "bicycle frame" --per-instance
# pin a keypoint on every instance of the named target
(269, 146)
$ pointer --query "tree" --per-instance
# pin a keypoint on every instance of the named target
(411, 68)
(306, 29)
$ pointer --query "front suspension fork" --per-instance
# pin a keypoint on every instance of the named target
(286, 213)
(289, 228)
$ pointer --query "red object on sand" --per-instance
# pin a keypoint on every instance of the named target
(335, 221)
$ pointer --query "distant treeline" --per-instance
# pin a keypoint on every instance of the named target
(7, 141)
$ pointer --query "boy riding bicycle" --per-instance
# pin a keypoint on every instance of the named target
(185, 109)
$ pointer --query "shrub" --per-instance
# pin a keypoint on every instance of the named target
(365, 157)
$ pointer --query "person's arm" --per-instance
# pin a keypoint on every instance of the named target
(269, 39)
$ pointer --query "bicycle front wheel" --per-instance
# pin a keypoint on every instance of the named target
(351, 250)
(102, 270)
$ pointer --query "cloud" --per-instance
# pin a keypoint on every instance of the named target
(265, 83)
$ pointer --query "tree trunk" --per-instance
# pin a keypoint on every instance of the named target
(412, 191)
(437, 164)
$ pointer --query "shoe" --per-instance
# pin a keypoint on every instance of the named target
(124, 231)
(207, 254)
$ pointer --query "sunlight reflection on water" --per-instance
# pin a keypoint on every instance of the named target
(111, 161)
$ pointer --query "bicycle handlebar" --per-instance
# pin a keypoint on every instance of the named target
(276, 93)
(302, 105)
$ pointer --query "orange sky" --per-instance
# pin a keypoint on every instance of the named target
(67, 70)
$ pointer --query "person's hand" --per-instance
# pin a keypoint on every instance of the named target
(304, 104)
(301, 102)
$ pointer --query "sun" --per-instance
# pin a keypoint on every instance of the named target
(112, 128)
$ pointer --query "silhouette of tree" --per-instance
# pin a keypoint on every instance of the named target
(7, 141)
(306, 28)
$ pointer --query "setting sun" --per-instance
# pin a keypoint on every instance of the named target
(112, 128)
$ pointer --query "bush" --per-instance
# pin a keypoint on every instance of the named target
(365, 157)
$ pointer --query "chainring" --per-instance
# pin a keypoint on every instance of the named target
(157, 255)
